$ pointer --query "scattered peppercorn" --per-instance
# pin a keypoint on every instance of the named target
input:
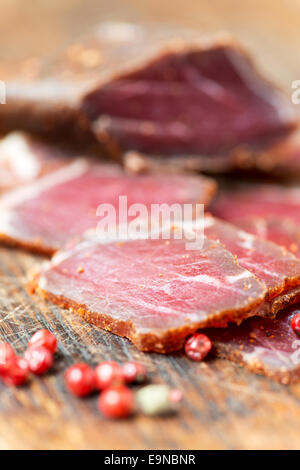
(16, 373)
(39, 359)
(295, 323)
(7, 355)
(197, 346)
(116, 402)
(134, 372)
(44, 338)
(108, 374)
(155, 400)
(80, 379)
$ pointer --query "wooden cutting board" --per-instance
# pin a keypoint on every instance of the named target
(224, 407)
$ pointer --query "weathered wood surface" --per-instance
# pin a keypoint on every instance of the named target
(225, 407)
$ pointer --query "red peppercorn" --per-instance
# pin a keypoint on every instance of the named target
(134, 372)
(295, 323)
(16, 373)
(39, 359)
(80, 379)
(108, 374)
(116, 402)
(7, 355)
(197, 346)
(43, 338)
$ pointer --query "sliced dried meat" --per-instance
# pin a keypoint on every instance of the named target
(44, 215)
(284, 233)
(137, 278)
(266, 346)
(192, 101)
(258, 200)
(269, 211)
(200, 103)
(273, 265)
(24, 158)
(263, 345)
(154, 292)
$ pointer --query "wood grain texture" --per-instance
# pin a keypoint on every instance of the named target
(225, 407)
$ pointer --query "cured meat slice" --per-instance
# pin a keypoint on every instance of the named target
(267, 346)
(200, 103)
(285, 233)
(153, 291)
(140, 277)
(263, 345)
(269, 211)
(258, 200)
(181, 103)
(277, 268)
(24, 158)
(44, 215)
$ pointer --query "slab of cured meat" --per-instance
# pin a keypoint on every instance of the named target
(263, 345)
(159, 94)
(24, 158)
(273, 265)
(44, 215)
(154, 292)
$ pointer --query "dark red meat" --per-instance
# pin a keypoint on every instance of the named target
(271, 212)
(284, 233)
(154, 292)
(277, 268)
(157, 90)
(195, 102)
(62, 205)
(267, 346)
(263, 345)
(258, 200)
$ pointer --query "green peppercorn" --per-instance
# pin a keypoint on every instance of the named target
(155, 400)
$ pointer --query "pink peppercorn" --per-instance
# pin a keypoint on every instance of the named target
(16, 373)
(44, 338)
(7, 355)
(116, 402)
(197, 346)
(39, 359)
(134, 372)
(80, 379)
(295, 323)
(108, 374)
